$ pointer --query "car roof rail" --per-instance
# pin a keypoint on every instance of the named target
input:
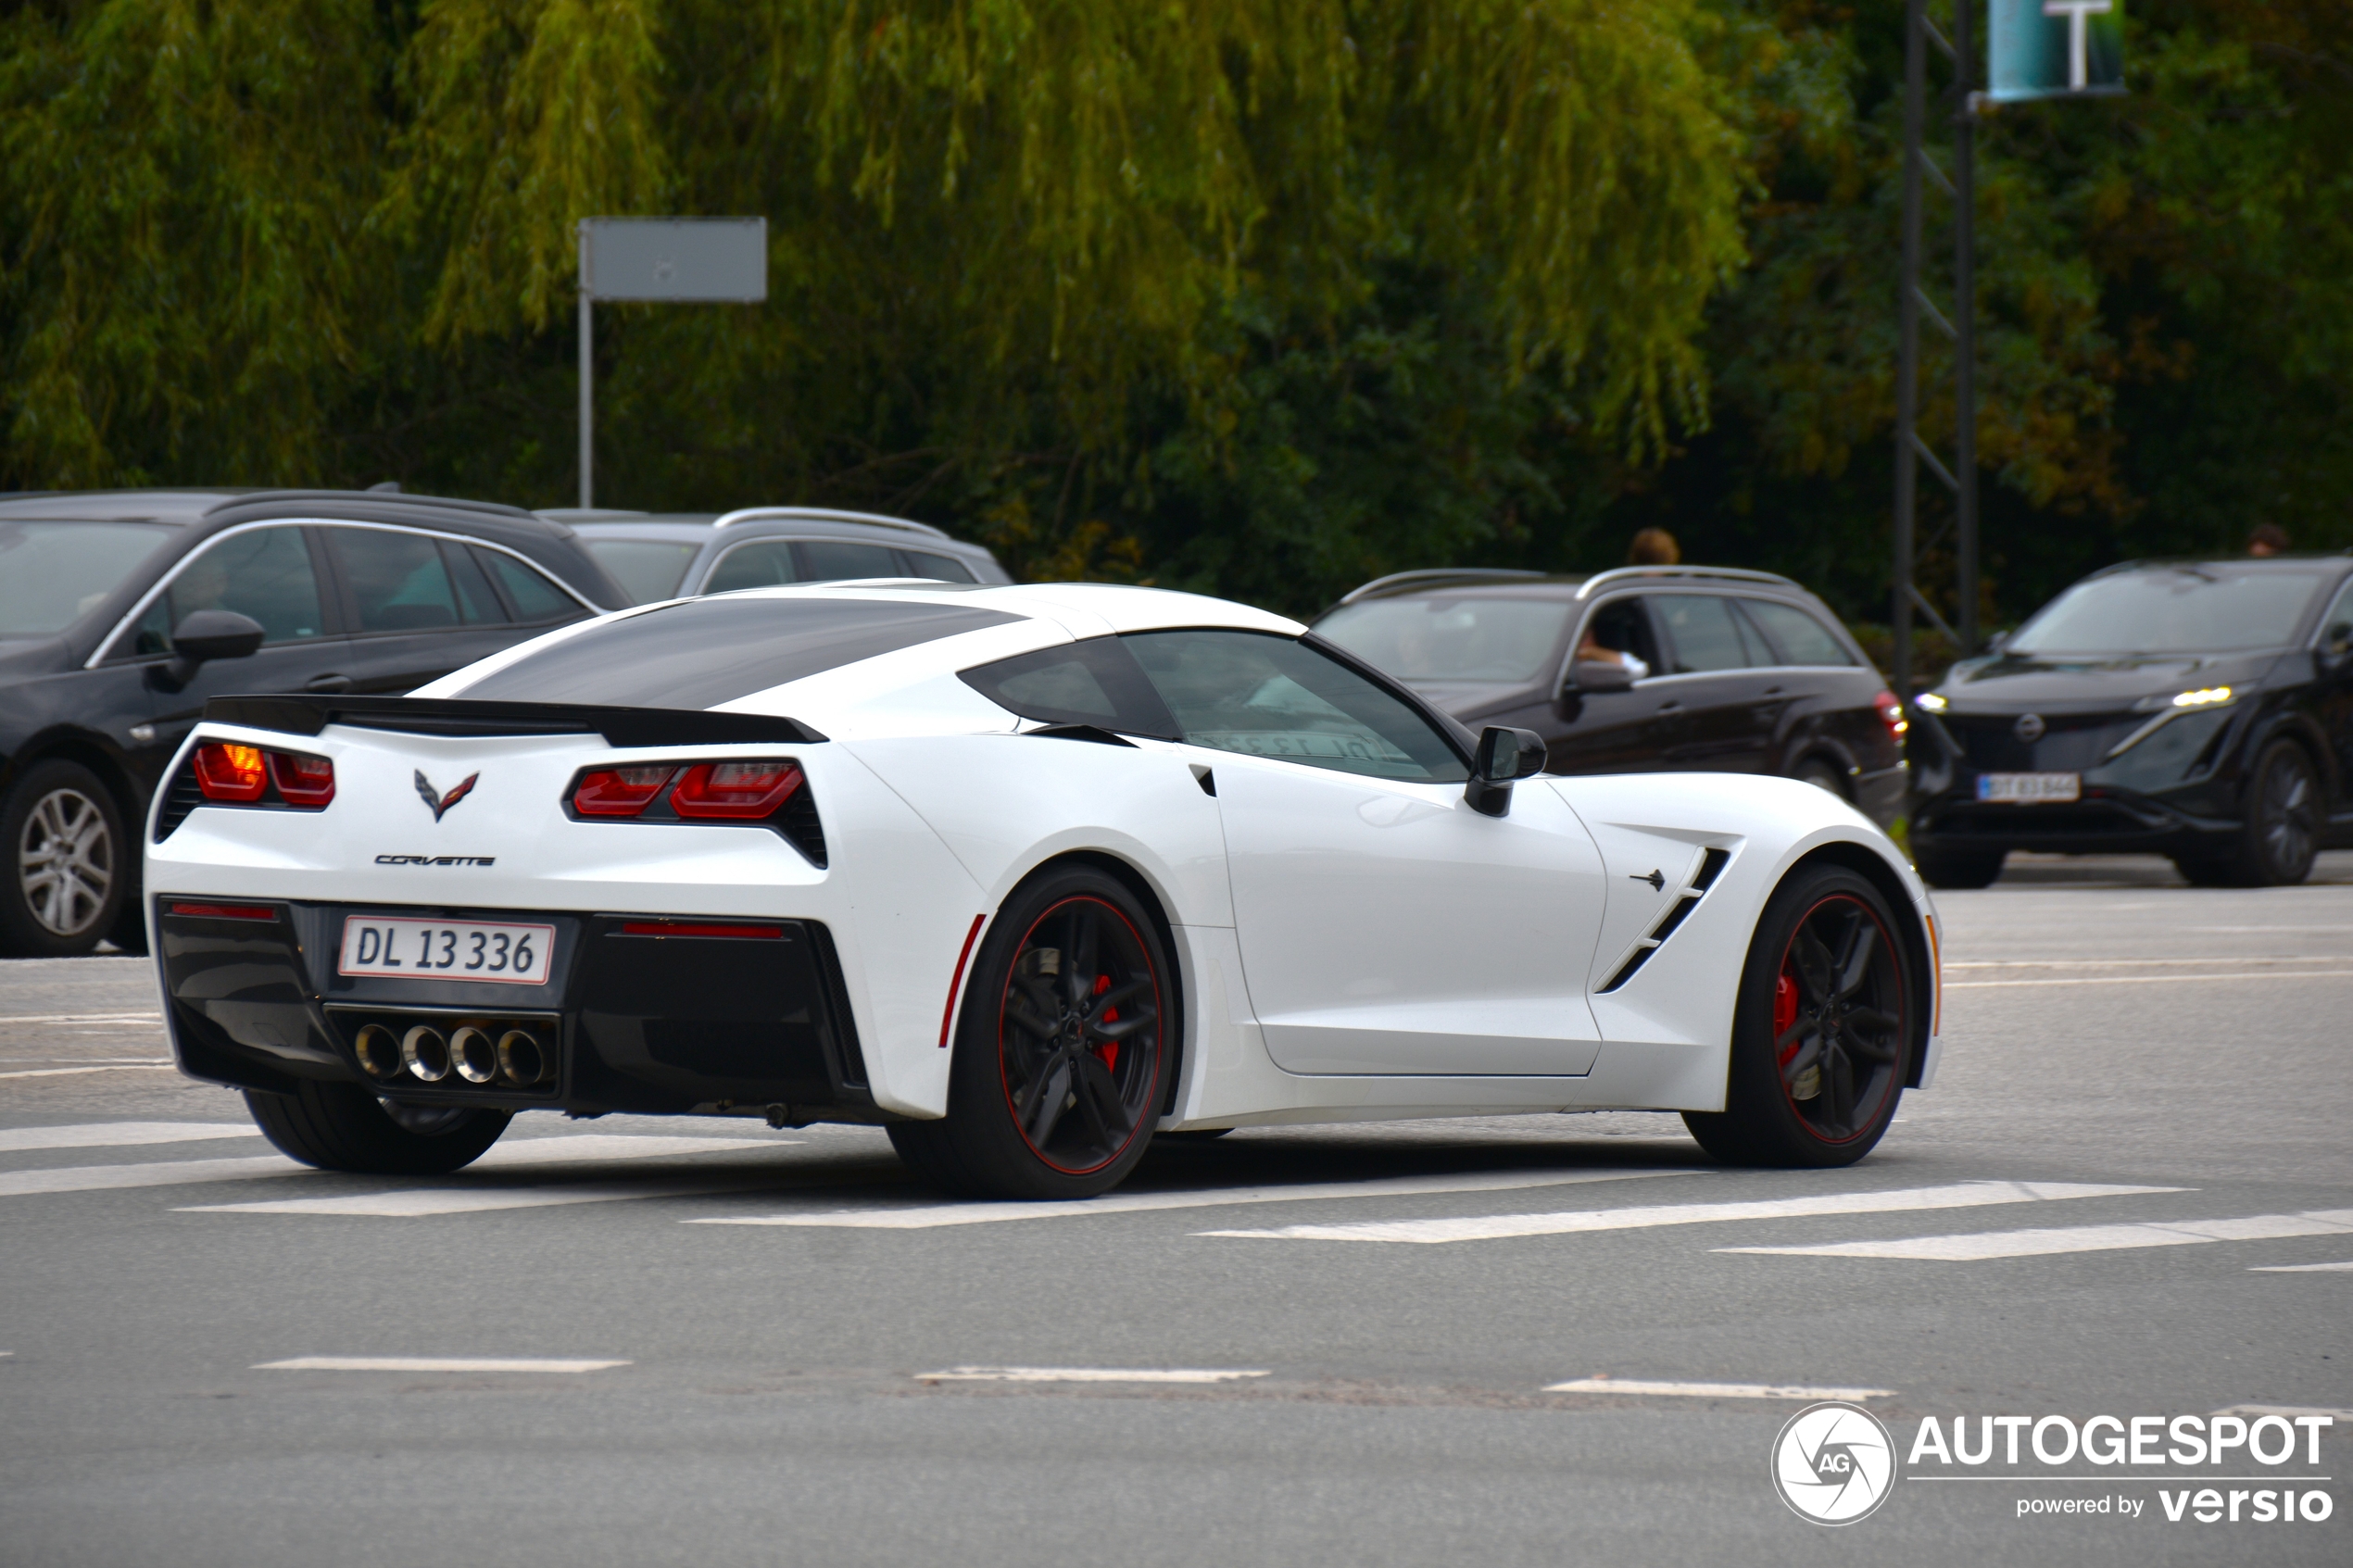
(1730, 573)
(824, 514)
(1432, 576)
(409, 501)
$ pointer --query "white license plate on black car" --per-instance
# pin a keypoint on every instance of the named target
(446, 949)
(2029, 789)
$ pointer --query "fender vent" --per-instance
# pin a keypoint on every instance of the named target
(1711, 866)
(183, 798)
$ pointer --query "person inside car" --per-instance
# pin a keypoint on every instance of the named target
(1590, 650)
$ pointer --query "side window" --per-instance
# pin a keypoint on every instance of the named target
(2337, 626)
(397, 580)
(476, 602)
(1800, 638)
(831, 560)
(1706, 634)
(1267, 696)
(536, 599)
(1096, 681)
(1619, 633)
(939, 569)
(265, 575)
(762, 564)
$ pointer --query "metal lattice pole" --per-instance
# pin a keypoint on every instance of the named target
(1908, 369)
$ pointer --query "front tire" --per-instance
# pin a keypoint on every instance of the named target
(1821, 1037)
(2284, 819)
(343, 1127)
(67, 870)
(1062, 1052)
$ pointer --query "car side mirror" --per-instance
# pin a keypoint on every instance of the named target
(1597, 675)
(1504, 755)
(205, 634)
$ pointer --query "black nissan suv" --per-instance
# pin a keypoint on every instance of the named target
(2200, 709)
(1641, 670)
(122, 611)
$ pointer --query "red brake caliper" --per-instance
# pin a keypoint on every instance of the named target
(1109, 1050)
(1786, 1012)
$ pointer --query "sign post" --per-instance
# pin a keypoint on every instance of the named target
(705, 260)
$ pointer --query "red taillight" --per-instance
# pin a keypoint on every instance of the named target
(1890, 713)
(619, 792)
(231, 772)
(744, 791)
(303, 781)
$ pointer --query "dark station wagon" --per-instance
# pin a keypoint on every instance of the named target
(1642, 669)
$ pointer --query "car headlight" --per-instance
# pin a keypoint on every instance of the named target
(1931, 701)
(2205, 697)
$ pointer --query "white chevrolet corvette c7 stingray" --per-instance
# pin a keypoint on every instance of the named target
(1025, 874)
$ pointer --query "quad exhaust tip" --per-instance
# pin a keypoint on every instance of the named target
(481, 1054)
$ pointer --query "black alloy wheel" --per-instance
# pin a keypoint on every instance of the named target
(1821, 1037)
(2282, 830)
(1825, 776)
(67, 870)
(1060, 1052)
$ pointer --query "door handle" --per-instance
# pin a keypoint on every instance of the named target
(329, 684)
(1670, 708)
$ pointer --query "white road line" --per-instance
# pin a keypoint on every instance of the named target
(1983, 1245)
(2153, 979)
(2303, 1269)
(429, 1364)
(80, 1018)
(425, 1202)
(2136, 963)
(1713, 1390)
(71, 1072)
(112, 1135)
(523, 1153)
(1081, 1374)
(931, 1215)
(1492, 1228)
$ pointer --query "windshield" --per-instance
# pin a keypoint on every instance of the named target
(1451, 639)
(2183, 609)
(54, 573)
(645, 568)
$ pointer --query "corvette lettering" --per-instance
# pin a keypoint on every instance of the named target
(436, 860)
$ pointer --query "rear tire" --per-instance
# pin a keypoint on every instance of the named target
(1824, 776)
(343, 1127)
(1061, 1051)
(1959, 868)
(1821, 1037)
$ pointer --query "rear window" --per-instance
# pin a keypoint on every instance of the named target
(704, 652)
(646, 569)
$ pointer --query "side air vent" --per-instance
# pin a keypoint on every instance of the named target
(184, 796)
(1711, 866)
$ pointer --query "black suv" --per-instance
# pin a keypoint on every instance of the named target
(2200, 709)
(1641, 670)
(122, 611)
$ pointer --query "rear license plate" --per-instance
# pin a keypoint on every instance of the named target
(2029, 789)
(446, 949)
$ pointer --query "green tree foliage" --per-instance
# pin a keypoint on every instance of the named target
(1260, 296)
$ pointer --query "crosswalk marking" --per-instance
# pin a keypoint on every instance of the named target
(562, 1149)
(431, 1363)
(1490, 1227)
(1081, 1374)
(2303, 1269)
(927, 1217)
(1713, 1390)
(1983, 1245)
(113, 1135)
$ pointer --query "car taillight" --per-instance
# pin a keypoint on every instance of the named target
(303, 781)
(744, 791)
(231, 772)
(1890, 713)
(619, 792)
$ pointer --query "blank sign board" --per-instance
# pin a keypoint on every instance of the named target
(706, 259)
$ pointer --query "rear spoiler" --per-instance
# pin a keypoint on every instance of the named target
(628, 727)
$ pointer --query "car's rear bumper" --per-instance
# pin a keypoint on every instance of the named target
(651, 1013)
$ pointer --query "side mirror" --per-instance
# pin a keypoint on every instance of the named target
(205, 634)
(1503, 754)
(1998, 641)
(1596, 675)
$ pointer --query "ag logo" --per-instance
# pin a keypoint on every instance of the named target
(1833, 1463)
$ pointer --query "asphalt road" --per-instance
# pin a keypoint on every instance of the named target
(2106, 1029)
